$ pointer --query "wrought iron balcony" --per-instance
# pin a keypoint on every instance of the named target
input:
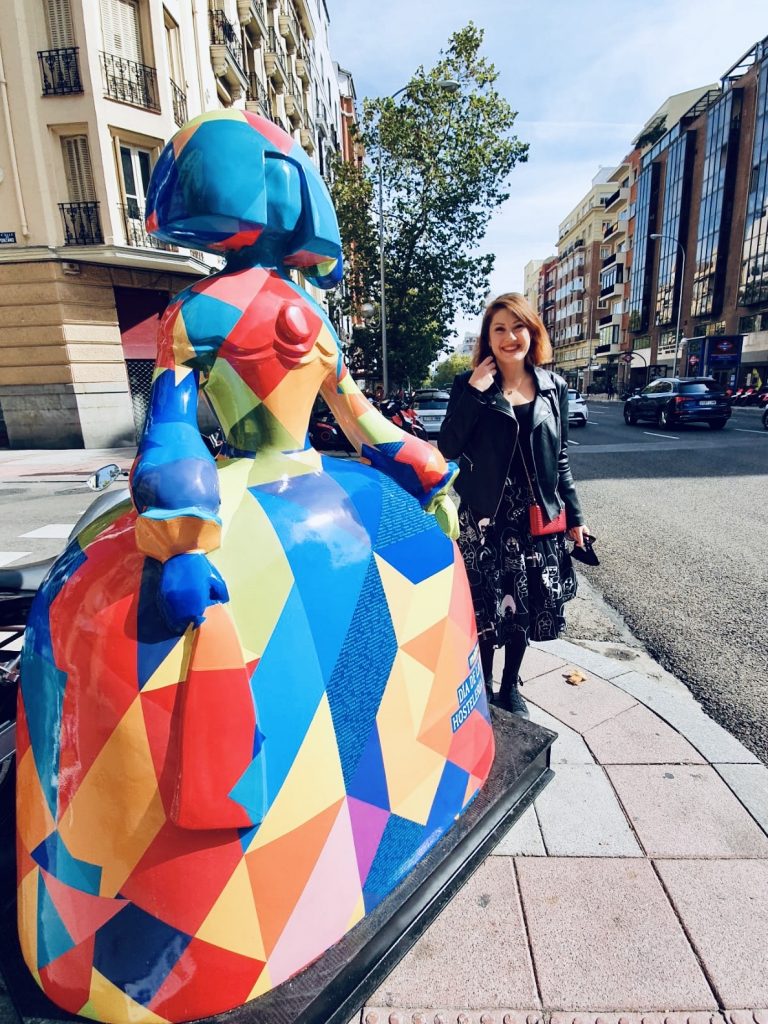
(294, 106)
(274, 61)
(256, 98)
(288, 28)
(252, 15)
(81, 223)
(127, 81)
(224, 33)
(60, 71)
(136, 234)
(179, 104)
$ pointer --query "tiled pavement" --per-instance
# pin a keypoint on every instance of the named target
(634, 891)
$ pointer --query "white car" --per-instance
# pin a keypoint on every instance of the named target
(430, 404)
(578, 413)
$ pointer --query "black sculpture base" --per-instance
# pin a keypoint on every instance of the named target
(334, 987)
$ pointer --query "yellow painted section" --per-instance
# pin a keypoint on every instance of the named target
(314, 783)
(418, 803)
(230, 395)
(264, 984)
(358, 913)
(183, 349)
(254, 567)
(113, 1005)
(399, 592)
(27, 918)
(36, 824)
(233, 923)
(173, 669)
(115, 833)
(289, 401)
(430, 604)
(418, 685)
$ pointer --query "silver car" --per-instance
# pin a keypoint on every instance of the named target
(578, 413)
(429, 405)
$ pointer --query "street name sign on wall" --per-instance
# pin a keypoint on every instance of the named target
(7, 238)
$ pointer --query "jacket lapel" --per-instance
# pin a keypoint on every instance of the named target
(543, 405)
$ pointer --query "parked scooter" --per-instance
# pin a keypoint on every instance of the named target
(403, 416)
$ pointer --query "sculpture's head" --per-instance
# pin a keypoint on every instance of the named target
(230, 180)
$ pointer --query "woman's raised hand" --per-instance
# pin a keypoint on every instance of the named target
(482, 377)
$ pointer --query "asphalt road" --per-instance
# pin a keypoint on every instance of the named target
(681, 521)
(681, 524)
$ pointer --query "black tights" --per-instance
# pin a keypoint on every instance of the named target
(514, 652)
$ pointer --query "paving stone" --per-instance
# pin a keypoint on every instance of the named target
(638, 736)
(723, 905)
(569, 747)
(685, 715)
(580, 816)
(686, 811)
(523, 839)
(750, 784)
(574, 654)
(581, 707)
(537, 662)
(449, 965)
(604, 935)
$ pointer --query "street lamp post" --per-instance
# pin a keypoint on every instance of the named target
(448, 85)
(679, 296)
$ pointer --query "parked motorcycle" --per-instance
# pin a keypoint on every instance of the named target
(403, 416)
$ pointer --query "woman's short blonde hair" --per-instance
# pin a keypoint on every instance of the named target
(517, 306)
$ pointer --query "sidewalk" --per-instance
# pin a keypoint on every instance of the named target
(636, 887)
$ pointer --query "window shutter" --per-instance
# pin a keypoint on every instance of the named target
(58, 19)
(77, 168)
(121, 29)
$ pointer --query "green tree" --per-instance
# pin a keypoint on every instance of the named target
(446, 370)
(446, 159)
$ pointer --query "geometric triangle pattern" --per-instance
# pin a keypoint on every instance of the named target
(200, 816)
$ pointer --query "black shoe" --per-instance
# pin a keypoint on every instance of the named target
(512, 701)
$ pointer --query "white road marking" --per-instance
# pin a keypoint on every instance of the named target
(6, 557)
(746, 430)
(53, 531)
(668, 437)
(573, 442)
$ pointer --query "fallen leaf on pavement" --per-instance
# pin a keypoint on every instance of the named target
(575, 677)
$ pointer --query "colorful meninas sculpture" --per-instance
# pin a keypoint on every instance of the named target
(251, 701)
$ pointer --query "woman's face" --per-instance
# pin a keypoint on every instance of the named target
(510, 339)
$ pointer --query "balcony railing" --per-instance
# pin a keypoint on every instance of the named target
(257, 96)
(179, 104)
(136, 234)
(276, 52)
(224, 33)
(81, 223)
(60, 71)
(127, 81)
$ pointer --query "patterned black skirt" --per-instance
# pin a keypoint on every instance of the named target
(519, 583)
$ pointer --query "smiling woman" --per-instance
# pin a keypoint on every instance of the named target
(507, 421)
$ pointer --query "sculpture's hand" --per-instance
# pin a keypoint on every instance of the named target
(188, 585)
(444, 511)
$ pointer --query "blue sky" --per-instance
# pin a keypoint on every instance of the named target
(584, 77)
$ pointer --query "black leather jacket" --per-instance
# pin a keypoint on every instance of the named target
(480, 430)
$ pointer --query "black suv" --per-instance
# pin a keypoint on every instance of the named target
(669, 401)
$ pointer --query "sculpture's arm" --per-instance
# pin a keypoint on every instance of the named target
(174, 483)
(414, 464)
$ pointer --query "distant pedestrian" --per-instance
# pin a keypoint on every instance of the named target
(507, 423)
(610, 391)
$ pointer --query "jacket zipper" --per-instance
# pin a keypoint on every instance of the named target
(506, 474)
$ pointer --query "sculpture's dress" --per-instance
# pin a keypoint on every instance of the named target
(204, 807)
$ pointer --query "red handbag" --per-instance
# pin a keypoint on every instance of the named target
(538, 524)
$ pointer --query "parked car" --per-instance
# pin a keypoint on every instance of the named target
(578, 413)
(669, 401)
(430, 404)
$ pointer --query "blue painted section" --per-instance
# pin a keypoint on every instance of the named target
(402, 846)
(369, 783)
(138, 967)
(362, 670)
(449, 798)
(53, 939)
(43, 686)
(154, 639)
(419, 557)
(55, 858)
(208, 321)
(287, 691)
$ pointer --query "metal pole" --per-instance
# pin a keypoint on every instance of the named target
(679, 308)
(383, 304)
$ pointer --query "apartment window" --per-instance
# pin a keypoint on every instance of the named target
(753, 285)
(58, 21)
(136, 166)
(121, 28)
(173, 49)
(80, 215)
